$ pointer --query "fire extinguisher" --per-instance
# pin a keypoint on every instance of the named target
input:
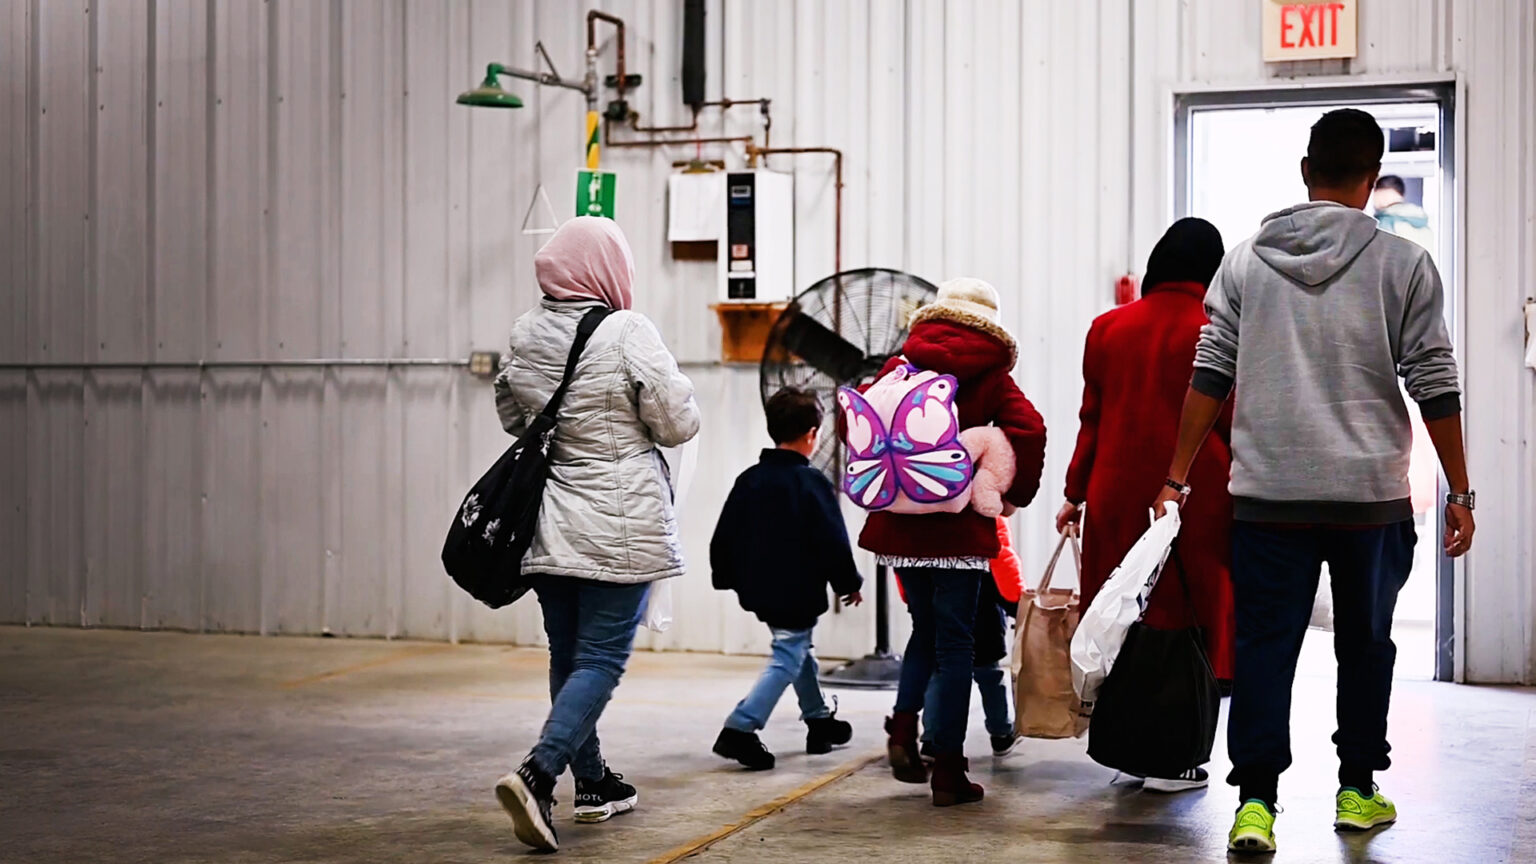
(1125, 290)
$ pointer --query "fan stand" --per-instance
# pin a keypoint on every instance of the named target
(880, 670)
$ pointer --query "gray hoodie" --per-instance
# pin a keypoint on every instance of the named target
(1314, 318)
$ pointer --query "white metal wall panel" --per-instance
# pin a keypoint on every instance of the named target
(290, 179)
(17, 218)
(14, 571)
(1499, 60)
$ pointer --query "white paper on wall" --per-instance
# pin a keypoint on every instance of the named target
(695, 207)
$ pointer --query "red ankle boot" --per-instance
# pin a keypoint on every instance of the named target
(901, 747)
(950, 785)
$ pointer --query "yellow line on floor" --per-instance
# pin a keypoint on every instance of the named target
(403, 654)
(758, 814)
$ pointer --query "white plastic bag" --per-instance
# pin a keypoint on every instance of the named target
(658, 606)
(680, 463)
(1118, 605)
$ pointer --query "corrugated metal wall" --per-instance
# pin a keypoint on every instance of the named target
(286, 179)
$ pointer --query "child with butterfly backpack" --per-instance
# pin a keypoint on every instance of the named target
(909, 464)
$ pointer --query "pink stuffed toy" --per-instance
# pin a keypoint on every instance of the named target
(995, 467)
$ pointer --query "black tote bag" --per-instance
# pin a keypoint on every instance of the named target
(495, 523)
(1157, 711)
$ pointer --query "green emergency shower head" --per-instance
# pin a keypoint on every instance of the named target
(489, 94)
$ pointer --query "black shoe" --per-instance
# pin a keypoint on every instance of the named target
(601, 800)
(744, 747)
(824, 733)
(1002, 745)
(527, 795)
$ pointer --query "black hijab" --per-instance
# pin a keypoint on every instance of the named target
(1189, 251)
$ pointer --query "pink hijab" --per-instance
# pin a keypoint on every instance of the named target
(587, 259)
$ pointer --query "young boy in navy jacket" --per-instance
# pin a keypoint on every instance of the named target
(780, 542)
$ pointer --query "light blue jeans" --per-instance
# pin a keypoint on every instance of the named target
(990, 682)
(591, 629)
(793, 662)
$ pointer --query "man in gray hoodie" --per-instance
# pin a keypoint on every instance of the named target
(1313, 320)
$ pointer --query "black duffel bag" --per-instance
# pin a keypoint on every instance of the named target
(495, 524)
(1157, 711)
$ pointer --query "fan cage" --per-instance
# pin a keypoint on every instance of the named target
(869, 310)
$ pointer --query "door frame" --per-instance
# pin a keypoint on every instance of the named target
(1448, 92)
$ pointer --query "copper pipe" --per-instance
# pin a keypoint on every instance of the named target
(634, 123)
(723, 104)
(595, 16)
(670, 142)
(753, 152)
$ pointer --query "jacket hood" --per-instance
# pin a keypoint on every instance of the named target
(1406, 212)
(1312, 242)
(952, 348)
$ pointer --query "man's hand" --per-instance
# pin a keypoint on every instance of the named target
(1070, 514)
(1163, 497)
(853, 599)
(1459, 527)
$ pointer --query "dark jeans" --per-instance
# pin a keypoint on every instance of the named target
(591, 629)
(1275, 571)
(942, 647)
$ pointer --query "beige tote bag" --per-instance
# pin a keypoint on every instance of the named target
(1046, 706)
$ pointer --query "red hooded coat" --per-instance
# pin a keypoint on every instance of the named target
(987, 395)
(1136, 369)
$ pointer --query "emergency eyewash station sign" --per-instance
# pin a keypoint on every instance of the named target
(1309, 31)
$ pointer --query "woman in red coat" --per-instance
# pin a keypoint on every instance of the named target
(1136, 368)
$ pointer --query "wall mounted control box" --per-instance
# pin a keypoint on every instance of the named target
(757, 248)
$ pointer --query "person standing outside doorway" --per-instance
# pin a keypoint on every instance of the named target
(1312, 321)
(1395, 213)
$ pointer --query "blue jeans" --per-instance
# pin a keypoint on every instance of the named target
(1275, 570)
(793, 662)
(994, 701)
(943, 608)
(591, 629)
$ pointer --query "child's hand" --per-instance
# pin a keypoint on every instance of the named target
(853, 599)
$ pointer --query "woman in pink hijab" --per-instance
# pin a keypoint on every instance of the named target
(607, 528)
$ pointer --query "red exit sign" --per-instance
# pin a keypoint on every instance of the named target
(1309, 31)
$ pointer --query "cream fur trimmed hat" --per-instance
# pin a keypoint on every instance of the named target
(972, 295)
(972, 302)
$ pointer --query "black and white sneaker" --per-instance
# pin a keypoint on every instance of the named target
(1194, 778)
(1002, 745)
(601, 800)
(528, 795)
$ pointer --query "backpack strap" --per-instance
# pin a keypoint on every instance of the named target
(584, 330)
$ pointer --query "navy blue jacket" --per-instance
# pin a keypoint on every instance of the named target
(781, 541)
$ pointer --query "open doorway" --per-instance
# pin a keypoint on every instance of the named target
(1237, 160)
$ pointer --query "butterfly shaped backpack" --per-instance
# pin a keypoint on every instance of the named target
(904, 448)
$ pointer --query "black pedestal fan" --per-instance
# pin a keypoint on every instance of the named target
(839, 332)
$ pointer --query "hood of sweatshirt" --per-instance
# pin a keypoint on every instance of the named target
(1312, 242)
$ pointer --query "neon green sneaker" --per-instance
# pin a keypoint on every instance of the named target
(1355, 812)
(1254, 828)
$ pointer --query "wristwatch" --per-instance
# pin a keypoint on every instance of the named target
(1181, 488)
(1466, 499)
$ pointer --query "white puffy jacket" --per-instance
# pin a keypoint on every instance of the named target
(607, 513)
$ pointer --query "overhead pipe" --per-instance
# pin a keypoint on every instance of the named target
(753, 152)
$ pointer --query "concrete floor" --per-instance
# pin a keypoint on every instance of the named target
(126, 747)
